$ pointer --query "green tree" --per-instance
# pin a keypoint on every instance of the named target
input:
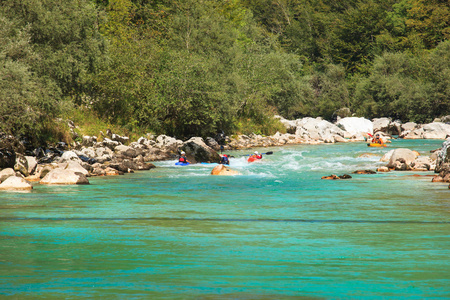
(429, 21)
(27, 102)
(65, 35)
(407, 87)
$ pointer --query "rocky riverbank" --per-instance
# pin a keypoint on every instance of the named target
(116, 155)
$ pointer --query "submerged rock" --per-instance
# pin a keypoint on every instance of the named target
(223, 171)
(335, 177)
(364, 172)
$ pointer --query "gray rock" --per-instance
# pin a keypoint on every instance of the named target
(436, 130)
(120, 139)
(21, 165)
(387, 156)
(317, 129)
(89, 141)
(44, 169)
(381, 124)
(212, 143)
(89, 152)
(32, 164)
(443, 156)
(395, 128)
(409, 126)
(109, 143)
(100, 151)
(70, 156)
(76, 167)
(291, 126)
(354, 125)
(5, 173)
(63, 177)
(402, 155)
(125, 151)
(167, 142)
(422, 163)
(142, 140)
(197, 151)
(15, 183)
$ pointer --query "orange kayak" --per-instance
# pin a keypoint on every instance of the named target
(376, 145)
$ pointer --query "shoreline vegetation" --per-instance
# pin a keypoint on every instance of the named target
(116, 155)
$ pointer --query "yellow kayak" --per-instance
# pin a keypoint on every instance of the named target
(376, 145)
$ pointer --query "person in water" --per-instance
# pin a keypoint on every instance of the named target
(183, 158)
(377, 139)
(256, 155)
(224, 160)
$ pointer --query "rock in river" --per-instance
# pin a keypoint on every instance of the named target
(224, 171)
(64, 176)
(15, 183)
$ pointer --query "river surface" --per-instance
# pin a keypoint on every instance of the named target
(275, 232)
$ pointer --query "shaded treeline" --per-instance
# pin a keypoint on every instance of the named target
(192, 67)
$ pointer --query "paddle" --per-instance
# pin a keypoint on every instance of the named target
(267, 153)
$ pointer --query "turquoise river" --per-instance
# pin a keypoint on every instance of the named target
(275, 232)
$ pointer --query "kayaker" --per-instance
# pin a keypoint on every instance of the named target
(377, 139)
(183, 158)
(256, 155)
(224, 159)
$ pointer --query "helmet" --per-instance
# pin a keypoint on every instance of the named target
(182, 152)
(377, 134)
(256, 152)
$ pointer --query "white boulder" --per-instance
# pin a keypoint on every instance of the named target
(355, 125)
(70, 156)
(64, 176)
(403, 155)
(317, 129)
(381, 124)
(5, 173)
(15, 183)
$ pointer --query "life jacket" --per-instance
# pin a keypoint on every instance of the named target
(182, 159)
(377, 141)
(258, 156)
(224, 160)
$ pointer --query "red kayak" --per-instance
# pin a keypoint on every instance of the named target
(252, 159)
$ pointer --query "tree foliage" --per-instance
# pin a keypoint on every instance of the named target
(26, 100)
(194, 67)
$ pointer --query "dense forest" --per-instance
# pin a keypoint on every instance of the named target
(192, 67)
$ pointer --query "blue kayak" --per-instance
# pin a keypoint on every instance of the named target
(181, 164)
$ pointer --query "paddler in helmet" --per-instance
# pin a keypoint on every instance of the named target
(224, 160)
(183, 158)
(377, 139)
(256, 155)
